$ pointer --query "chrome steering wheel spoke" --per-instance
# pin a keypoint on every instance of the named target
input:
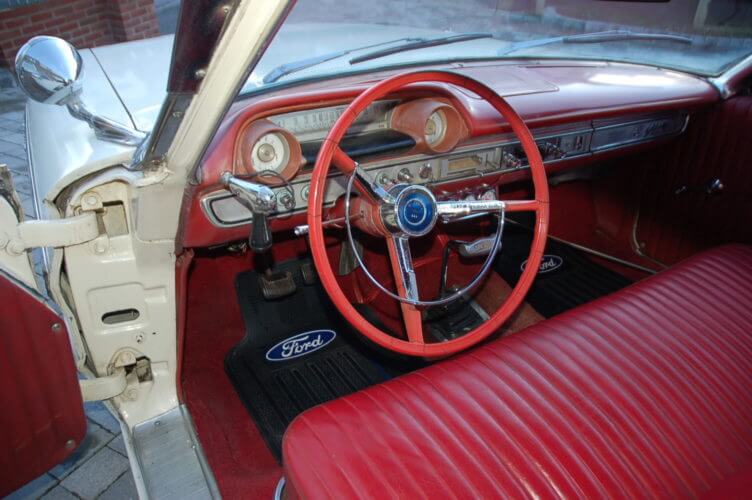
(451, 211)
(409, 283)
(398, 243)
(363, 181)
(368, 186)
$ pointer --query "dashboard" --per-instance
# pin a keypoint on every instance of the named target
(271, 151)
(435, 135)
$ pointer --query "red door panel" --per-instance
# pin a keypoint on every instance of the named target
(717, 144)
(42, 419)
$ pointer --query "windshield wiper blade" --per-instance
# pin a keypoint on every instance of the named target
(292, 67)
(595, 37)
(420, 44)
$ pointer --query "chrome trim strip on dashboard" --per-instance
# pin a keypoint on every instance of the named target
(236, 215)
(630, 142)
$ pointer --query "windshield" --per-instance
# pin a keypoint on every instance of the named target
(333, 37)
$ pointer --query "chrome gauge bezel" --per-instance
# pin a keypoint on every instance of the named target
(281, 147)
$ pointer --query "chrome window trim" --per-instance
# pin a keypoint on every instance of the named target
(723, 82)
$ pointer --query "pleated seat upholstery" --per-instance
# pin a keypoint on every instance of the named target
(646, 393)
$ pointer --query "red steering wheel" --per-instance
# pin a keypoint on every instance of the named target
(392, 214)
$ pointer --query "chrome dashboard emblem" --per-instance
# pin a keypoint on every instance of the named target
(548, 264)
(300, 345)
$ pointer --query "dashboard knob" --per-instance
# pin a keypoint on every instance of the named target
(286, 200)
(509, 160)
(405, 175)
(266, 153)
(425, 171)
(549, 151)
(384, 180)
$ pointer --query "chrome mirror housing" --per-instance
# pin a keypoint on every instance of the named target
(49, 71)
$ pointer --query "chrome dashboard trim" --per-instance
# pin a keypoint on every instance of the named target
(239, 215)
(631, 142)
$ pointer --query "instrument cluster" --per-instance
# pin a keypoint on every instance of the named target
(270, 150)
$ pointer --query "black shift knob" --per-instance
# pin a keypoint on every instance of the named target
(260, 239)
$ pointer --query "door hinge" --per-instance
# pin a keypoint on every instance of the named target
(101, 388)
(53, 233)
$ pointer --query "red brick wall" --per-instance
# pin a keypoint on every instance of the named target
(133, 19)
(84, 23)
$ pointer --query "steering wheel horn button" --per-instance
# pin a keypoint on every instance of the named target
(413, 212)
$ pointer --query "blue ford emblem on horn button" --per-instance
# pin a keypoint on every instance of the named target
(548, 263)
(300, 345)
(416, 212)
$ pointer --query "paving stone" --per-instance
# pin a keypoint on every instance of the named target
(15, 137)
(12, 125)
(123, 488)
(97, 474)
(118, 444)
(14, 116)
(97, 412)
(22, 184)
(11, 149)
(15, 164)
(96, 438)
(30, 210)
(6, 77)
(12, 102)
(34, 489)
(59, 493)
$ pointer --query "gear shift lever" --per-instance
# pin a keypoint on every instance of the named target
(260, 200)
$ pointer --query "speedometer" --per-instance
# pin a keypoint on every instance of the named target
(271, 152)
(313, 124)
(435, 128)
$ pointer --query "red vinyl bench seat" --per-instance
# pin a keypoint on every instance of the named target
(644, 393)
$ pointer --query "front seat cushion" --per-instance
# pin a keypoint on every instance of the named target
(644, 393)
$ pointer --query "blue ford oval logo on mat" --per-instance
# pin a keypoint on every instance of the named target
(548, 263)
(300, 345)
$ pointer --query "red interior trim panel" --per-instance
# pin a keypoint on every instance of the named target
(42, 420)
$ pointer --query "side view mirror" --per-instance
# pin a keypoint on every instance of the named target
(49, 71)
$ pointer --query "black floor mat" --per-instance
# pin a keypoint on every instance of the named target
(273, 379)
(568, 277)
